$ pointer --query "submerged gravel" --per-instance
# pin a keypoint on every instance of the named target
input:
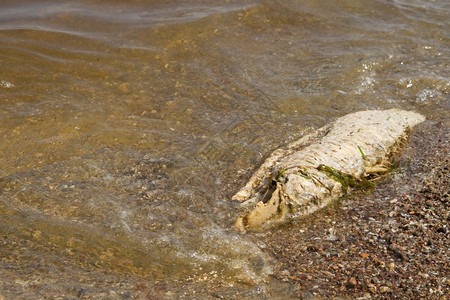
(390, 243)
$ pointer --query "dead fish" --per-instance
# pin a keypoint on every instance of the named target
(323, 166)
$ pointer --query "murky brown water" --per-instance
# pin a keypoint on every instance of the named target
(126, 126)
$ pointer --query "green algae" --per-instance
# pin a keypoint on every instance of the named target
(346, 180)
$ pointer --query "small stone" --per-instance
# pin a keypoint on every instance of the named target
(393, 214)
(385, 289)
(364, 255)
(352, 281)
(125, 87)
(391, 267)
(441, 230)
(366, 296)
(142, 287)
(372, 288)
(378, 262)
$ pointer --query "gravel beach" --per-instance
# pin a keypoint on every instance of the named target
(389, 243)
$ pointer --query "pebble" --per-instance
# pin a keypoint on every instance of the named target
(391, 267)
(364, 255)
(372, 288)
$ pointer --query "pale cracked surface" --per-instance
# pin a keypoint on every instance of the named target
(291, 180)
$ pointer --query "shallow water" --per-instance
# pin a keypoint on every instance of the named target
(127, 126)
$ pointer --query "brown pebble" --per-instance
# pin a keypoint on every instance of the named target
(141, 287)
(372, 288)
(391, 267)
(352, 281)
(364, 255)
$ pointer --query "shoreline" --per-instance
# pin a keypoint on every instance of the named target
(389, 243)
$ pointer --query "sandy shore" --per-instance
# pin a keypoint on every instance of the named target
(391, 243)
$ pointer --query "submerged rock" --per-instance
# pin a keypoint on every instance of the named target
(323, 166)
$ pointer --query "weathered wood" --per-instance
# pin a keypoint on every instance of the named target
(320, 167)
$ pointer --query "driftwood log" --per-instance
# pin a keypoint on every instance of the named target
(323, 166)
